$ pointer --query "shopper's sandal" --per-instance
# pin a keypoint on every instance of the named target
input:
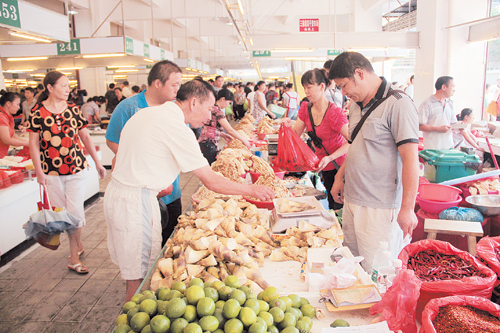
(79, 253)
(79, 268)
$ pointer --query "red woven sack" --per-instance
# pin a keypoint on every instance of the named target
(486, 250)
(470, 286)
(399, 302)
(293, 154)
(432, 309)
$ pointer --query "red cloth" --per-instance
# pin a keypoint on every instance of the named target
(328, 131)
(6, 119)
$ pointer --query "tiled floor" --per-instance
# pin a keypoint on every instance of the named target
(39, 294)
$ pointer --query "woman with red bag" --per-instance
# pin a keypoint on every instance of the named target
(56, 128)
(9, 105)
(330, 131)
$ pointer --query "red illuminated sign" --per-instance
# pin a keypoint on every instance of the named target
(308, 25)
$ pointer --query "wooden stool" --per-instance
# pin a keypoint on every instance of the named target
(450, 227)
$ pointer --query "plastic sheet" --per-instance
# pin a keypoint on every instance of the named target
(486, 250)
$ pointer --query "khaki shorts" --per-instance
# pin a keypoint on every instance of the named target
(134, 228)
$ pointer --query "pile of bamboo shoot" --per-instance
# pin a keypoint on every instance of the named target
(298, 240)
(218, 239)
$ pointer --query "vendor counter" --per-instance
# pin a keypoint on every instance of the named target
(19, 201)
(99, 139)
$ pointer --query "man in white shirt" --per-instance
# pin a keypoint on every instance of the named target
(411, 88)
(250, 97)
(155, 145)
(126, 89)
(436, 115)
(219, 82)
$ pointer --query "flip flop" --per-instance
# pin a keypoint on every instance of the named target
(79, 268)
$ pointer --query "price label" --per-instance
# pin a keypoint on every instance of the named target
(73, 47)
(129, 45)
(9, 13)
(265, 53)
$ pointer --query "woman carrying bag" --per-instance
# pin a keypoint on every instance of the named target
(327, 126)
(56, 128)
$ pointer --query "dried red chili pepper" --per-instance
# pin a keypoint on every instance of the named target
(465, 319)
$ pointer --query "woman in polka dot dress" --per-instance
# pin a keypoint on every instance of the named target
(56, 128)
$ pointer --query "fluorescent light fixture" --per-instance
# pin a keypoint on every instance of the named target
(126, 70)
(68, 68)
(119, 76)
(148, 60)
(273, 77)
(39, 75)
(251, 41)
(18, 70)
(229, 23)
(73, 81)
(27, 58)
(293, 50)
(66, 73)
(38, 39)
(240, 7)
(122, 66)
(295, 58)
(103, 55)
(72, 12)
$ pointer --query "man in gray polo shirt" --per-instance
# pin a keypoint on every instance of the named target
(436, 115)
(381, 169)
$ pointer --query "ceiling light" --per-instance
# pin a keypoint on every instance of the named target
(38, 75)
(273, 77)
(65, 73)
(39, 39)
(122, 66)
(119, 76)
(103, 55)
(293, 50)
(302, 58)
(229, 23)
(125, 70)
(251, 41)
(240, 6)
(148, 60)
(68, 68)
(27, 58)
(18, 70)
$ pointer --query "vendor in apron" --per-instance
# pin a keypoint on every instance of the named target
(291, 102)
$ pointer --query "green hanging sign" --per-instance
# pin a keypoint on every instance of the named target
(9, 14)
(73, 47)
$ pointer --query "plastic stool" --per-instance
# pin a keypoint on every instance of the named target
(450, 227)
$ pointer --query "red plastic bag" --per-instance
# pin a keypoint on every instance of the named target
(470, 286)
(432, 309)
(400, 302)
(293, 154)
(486, 250)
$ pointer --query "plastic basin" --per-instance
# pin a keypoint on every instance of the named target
(254, 176)
(436, 207)
(261, 204)
(280, 174)
(437, 192)
(261, 136)
(260, 143)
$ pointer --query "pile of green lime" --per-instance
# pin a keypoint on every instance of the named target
(218, 307)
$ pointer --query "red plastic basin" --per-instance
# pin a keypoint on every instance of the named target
(261, 204)
(255, 175)
(280, 174)
(436, 207)
(437, 192)
(261, 136)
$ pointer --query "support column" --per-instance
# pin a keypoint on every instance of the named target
(2, 78)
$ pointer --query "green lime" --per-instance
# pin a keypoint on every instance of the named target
(261, 321)
(270, 293)
(277, 314)
(296, 312)
(158, 291)
(190, 313)
(146, 292)
(307, 319)
(273, 329)
(212, 293)
(131, 313)
(289, 320)
(175, 308)
(224, 292)
(287, 300)
(192, 328)
(196, 282)
(122, 319)
(253, 304)
(147, 296)
(123, 328)
(205, 307)
(304, 301)
(149, 306)
(136, 298)
(162, 294)
(219, 304)
(173, 294)
(302, 326)
(217, 284)
(257, 328)
(178, 325)
(194, 294)
(160, 324)
(139, 320)
(278, 303)
(219, 330)
(232, 281)
(259, 296)
(208, 323)
(220, 317)
(231, 309)
(308, 310)
(207, 284)
(340, 323)
(179, 286)
(249, 293)
(264, 306)
(267, 317)
(127, 306)
(247, 316)
(290, 329)
(233, 326)
(296, 302)
(147, 329)
(238, 295)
